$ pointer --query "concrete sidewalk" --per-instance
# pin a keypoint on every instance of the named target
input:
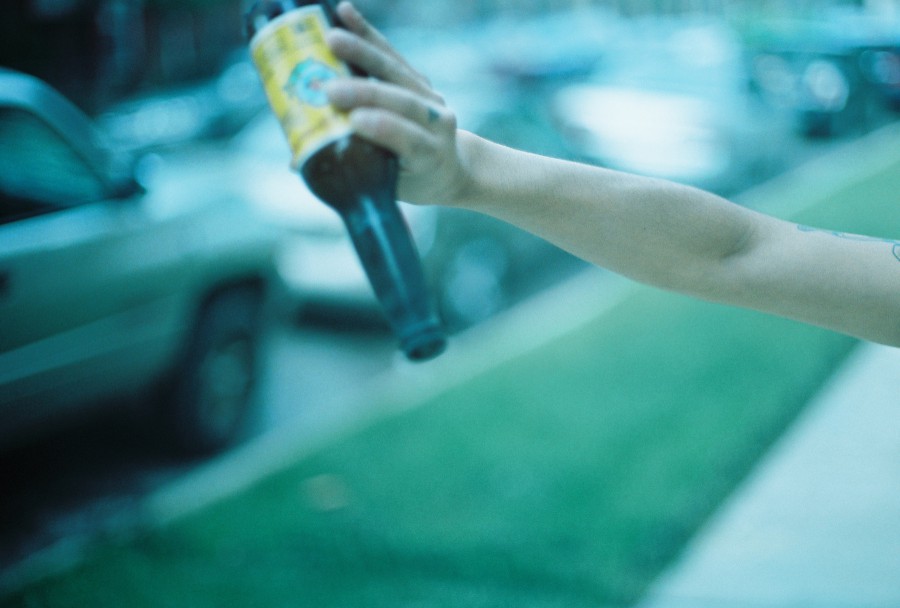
(818, 522)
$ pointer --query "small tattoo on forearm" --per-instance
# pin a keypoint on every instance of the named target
(895, 245)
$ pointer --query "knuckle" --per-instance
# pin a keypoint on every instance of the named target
(424, 80)
(410, 107)
(423, 147)
(447, 119)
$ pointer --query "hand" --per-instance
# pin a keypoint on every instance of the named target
(397, 109)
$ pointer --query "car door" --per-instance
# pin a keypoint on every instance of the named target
(77, 275)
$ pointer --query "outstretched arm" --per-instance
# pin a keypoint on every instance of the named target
(691, 241)
(654, 231)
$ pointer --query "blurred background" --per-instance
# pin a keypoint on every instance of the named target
(155, 250)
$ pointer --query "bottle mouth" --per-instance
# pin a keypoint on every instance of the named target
(424, 342)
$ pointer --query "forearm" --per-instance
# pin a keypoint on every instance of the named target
(687, 240)
(650, 230)
(844, 282)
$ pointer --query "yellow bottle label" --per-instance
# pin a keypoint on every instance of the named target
(294, 63)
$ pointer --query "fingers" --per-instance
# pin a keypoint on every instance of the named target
(366, 48)
(356, 23)
(414, 145)
(348, 94)
(396, 108)
(376, 62)
(394, 117)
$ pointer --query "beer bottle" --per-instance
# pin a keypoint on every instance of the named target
(355, 177)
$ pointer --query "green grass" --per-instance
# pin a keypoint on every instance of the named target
(569, 476)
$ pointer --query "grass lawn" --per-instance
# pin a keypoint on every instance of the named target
(569, 476)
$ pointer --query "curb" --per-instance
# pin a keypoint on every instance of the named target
(817, 522)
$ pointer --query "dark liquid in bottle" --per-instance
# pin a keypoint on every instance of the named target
(358, 180)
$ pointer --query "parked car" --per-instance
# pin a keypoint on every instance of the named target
(474, 264)
(835, 75)
(111, 287)
(821, 86)
(573, 41)
(671, 101)
(215, 108)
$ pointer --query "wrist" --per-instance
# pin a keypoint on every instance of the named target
(470, 155)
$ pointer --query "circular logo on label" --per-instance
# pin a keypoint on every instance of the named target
(307, 81)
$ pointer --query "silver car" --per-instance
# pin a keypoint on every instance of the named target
(112, 288)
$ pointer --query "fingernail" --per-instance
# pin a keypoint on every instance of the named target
(335, 92)
(338, 92)
(346, 5)
(334, 35)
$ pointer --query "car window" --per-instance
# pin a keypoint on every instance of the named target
(39, 170)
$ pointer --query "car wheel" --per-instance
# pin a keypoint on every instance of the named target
(211, 396)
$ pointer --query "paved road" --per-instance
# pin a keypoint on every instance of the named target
(74, 485)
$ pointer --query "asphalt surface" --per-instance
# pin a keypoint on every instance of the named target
(89, 480)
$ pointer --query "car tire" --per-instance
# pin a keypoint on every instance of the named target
(210, 397)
